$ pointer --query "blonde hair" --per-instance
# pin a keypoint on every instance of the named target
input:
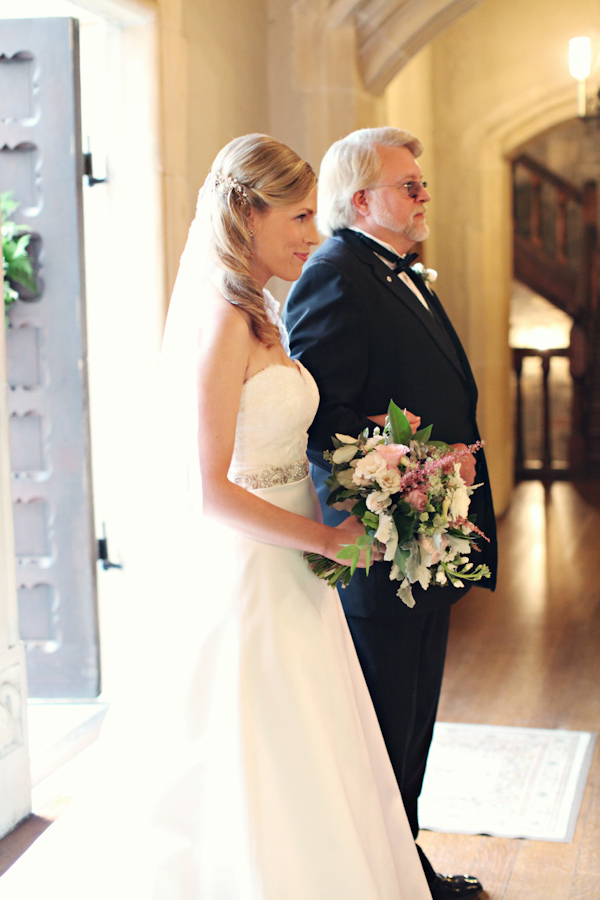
(353, 164)
(253, 172)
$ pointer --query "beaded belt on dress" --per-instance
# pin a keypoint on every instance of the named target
(274, 475)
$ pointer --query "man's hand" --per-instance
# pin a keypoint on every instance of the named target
(413, 421)
(467, 465)
(347, 532)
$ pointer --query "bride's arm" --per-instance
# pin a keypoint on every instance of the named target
(223, 361)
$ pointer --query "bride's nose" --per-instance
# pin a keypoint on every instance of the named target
(312, 236)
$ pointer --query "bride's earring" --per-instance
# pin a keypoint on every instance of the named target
(251, 232)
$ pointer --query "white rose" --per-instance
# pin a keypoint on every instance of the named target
(369, 467)
(389, 480)
(378, 500)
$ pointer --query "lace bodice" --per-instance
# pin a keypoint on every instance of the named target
(277, 406)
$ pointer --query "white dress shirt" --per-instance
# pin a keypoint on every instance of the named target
(402, 275)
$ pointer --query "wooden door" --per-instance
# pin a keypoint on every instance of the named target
(41, 162)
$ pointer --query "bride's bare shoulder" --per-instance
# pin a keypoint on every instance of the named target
(224, 322)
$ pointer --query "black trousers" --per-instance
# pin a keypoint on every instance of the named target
(402, 659)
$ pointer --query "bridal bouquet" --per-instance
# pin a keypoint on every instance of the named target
(408, 493)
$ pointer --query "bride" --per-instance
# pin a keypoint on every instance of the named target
(251, 766)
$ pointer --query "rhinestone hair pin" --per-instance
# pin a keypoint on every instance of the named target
(231, 184)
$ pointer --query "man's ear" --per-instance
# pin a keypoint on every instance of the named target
(360, 202)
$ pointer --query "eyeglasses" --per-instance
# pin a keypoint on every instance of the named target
(413, 189)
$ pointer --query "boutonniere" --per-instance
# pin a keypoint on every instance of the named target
(428, 275)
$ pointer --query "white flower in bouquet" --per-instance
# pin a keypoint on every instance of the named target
(378, 501)
(369, 468)
(389, 480)
(372, 442)
(387, 534)
(459, 504)
(408, 493)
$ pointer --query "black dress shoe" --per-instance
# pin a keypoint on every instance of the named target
(455, 887)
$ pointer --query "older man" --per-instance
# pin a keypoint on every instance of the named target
(370, 329)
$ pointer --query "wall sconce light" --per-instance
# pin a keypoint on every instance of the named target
(580, 66)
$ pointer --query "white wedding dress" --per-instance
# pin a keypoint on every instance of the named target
(268, 778)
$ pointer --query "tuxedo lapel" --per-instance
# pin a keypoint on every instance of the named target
(445, 324)
(436, 324)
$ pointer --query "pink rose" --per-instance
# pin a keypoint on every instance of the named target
(417, 499)
(392, 453)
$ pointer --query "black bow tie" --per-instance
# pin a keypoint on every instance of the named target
(401, 263)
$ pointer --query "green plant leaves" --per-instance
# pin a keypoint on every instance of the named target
(16, 263)
(399, 425)
(423, 435)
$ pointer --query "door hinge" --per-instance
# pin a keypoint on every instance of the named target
(103, 552)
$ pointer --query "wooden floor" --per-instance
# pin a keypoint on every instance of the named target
(527, 655)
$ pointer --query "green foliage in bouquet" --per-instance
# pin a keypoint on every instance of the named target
(407, 491)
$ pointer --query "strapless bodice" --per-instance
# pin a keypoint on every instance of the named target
(277, 406)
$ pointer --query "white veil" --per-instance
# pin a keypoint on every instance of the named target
(172, 611)
(178, 397)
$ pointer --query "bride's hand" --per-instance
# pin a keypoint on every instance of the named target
(413, 421)
(347, 532)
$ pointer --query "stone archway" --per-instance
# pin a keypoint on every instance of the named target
(499, 139)
(389, 34)
(331, 60)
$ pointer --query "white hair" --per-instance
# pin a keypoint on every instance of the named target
(350, 165)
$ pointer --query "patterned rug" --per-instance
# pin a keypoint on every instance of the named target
(505, 782)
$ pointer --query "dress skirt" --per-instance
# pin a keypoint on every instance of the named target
(254, 768)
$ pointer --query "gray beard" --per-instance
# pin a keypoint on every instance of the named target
(417, 231)
(414, 231)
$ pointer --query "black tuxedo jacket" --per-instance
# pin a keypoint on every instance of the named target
(366, 338)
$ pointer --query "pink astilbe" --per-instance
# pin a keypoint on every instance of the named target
(466, 523)
(437, 536)
(421, 474)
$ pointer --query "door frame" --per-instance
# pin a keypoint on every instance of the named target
(133, 24)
